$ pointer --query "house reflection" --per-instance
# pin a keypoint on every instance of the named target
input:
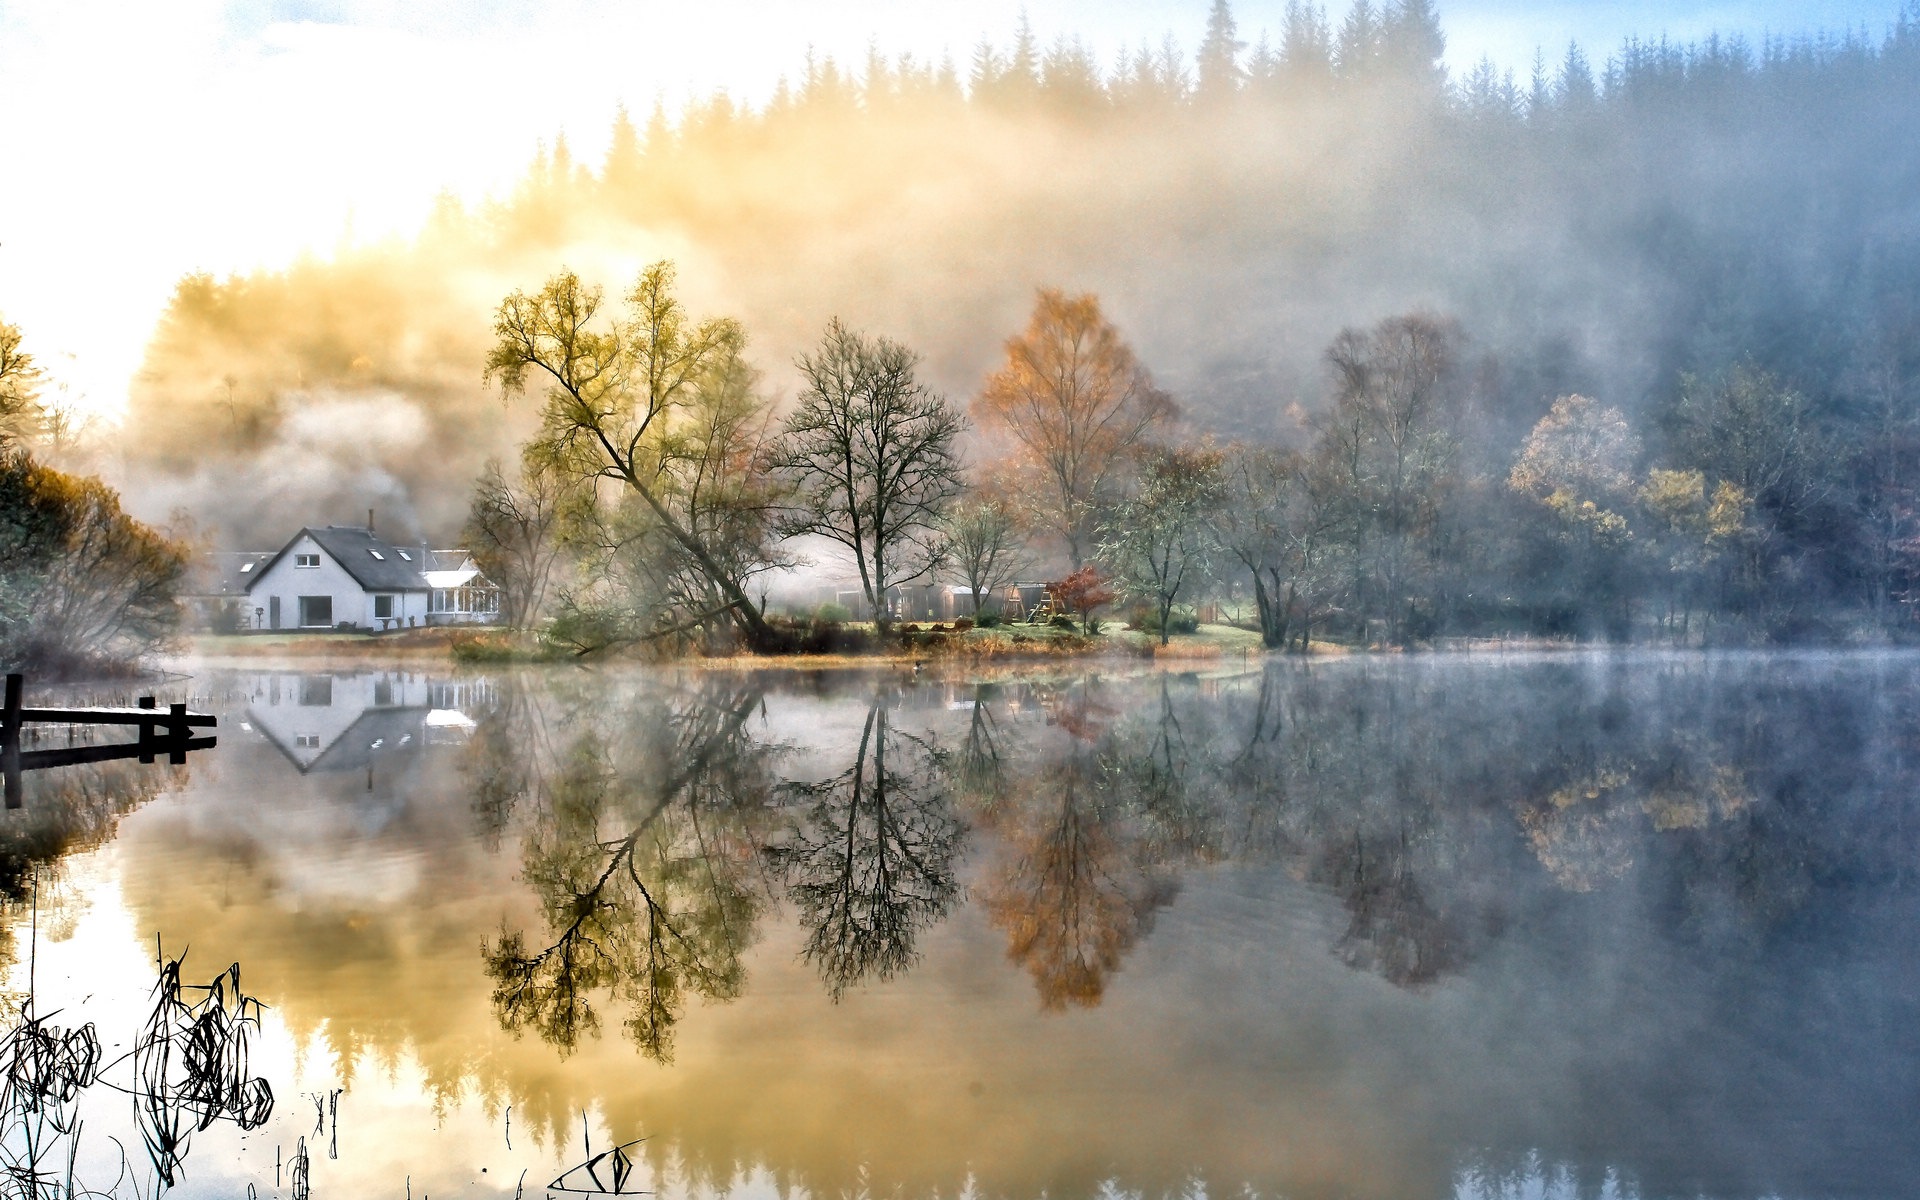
(350, 720)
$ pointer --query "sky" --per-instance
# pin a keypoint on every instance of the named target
(148, 140)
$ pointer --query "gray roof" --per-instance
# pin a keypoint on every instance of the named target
(395, 729)
(396, 569)
(225, 572)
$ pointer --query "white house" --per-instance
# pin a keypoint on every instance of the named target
(342, 576)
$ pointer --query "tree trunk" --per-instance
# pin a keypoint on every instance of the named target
(759, 633)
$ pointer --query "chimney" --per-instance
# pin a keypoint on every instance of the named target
(369, 522)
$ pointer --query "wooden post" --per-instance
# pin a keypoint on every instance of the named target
(10, 741)
(146, 732)
(177, 735)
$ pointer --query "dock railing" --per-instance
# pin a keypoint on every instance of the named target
(168, 732)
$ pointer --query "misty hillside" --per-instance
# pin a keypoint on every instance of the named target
(1600, 226)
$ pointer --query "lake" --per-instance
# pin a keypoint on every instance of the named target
(1570, 925)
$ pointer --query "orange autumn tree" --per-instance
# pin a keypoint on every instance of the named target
(1074, 402)
(1083, 593)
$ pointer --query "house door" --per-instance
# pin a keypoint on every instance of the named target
(273, 613)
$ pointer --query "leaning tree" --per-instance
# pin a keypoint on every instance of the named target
(628, 399)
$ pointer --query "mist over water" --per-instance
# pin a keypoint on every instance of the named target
(1389, 927)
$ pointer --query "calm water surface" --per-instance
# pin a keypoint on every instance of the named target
(1598, 926)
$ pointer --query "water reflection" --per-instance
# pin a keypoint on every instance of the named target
(1373, 928)
(344, 721)
(654, 912)
(868, 860)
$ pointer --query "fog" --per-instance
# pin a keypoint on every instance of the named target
(1603, 228)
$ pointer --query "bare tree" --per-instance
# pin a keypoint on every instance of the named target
(618, 400)
(1076, 402)
(1391, 434)
(986, 545)
(1278, 522)
(873, 458)
(869, 861)
(514, 534)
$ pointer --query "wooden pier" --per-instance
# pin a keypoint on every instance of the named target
(167, 731)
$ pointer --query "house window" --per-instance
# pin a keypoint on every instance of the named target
(245, 567)
(307, 741)
(306, 560)
(316, 611)
(381, 557)
(383, 608)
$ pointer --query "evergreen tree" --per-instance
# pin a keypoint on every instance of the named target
(1576, 90)
(1358, 49)
(987, 70)
(1263, 65)
(1023, 65)
(1218, 62)
(1306, 45)
(1412, 44)
(1539, 89)
(625, 163)
(1071, 78)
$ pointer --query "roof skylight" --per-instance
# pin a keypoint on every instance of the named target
(376, 554)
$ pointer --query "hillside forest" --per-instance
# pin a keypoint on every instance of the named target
(1615, 345)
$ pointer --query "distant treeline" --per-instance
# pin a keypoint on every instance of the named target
(1670, 223)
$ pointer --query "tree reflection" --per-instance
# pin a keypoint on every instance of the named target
(1070, 900)
(1077, 885)
(869, 861)
(980, 766)
(1393, 928)
(657, 913)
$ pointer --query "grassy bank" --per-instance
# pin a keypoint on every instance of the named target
(405, 643)
(853, 644)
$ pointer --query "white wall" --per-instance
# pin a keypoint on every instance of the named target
(350, 602)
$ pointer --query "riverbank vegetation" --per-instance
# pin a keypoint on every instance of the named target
(84, 588)
(1405, 518)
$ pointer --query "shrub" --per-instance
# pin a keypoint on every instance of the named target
(988, 619)
(1146, 618)
(962, 624)
(833, 613)
(489, 648)
(80, 581)
(1063, 622)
